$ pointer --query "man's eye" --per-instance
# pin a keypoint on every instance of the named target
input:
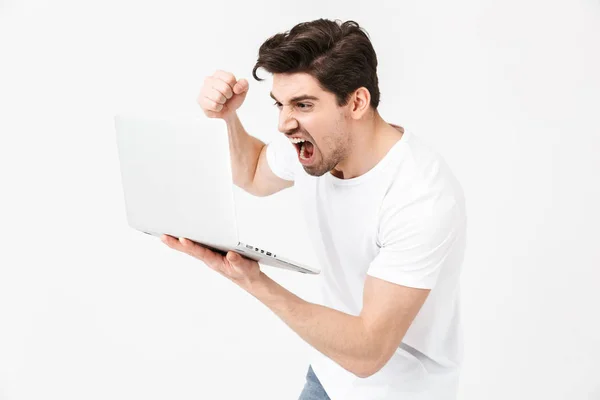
(300, 105)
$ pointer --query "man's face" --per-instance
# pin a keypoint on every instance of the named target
(317, 119)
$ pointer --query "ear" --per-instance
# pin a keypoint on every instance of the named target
(359, 102)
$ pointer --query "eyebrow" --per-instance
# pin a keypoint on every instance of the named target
(297, 98)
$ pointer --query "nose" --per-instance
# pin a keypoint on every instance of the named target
(287, 124)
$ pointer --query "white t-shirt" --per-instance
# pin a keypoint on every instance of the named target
(403, 221)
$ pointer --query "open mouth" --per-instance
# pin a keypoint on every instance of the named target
(305, 150)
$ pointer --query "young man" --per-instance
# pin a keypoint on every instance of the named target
(386, 215)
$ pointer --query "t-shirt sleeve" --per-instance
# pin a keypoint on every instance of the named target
(416, 242)
(282, 158)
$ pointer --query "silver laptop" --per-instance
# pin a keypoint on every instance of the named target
(177, 179)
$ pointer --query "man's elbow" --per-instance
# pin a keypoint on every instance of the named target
(369, 367)
(366, 370)
(381, 351)
(364, 373)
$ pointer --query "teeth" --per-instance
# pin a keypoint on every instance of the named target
(297, 140)
(302, 156)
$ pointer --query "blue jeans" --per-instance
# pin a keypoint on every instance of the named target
(313, 389)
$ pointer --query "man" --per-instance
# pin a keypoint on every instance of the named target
(385, 214)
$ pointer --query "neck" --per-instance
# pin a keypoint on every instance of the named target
(370, 141)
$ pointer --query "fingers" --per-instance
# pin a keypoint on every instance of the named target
(219, 86)
(216, 95)
(210, 98)
(182, 244)
(209, 105)
(222, 87)
(200, 252)
(226, 77)
(213, 260)
(218, 89)
(241, 86)
(172, 242)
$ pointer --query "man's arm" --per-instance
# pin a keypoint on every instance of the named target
(244, 150)
(221, 95)
(249, 165)
(360, 344)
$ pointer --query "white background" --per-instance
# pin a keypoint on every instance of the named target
(506, 91)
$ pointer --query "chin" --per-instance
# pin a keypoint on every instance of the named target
(315, 170)
(312, 172)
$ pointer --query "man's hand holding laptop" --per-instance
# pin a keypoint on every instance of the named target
(234, 266)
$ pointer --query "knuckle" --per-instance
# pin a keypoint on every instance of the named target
(225, 90)
(214, 105)
(213, 95)
(228, 75)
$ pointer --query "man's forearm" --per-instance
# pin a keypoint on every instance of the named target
(245, 150)
(341, 337)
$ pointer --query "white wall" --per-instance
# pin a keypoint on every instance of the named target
(507, 91)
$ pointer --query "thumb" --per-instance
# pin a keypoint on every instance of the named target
(241, 86)
(233, 258)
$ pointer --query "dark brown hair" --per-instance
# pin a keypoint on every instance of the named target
(339, 56)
